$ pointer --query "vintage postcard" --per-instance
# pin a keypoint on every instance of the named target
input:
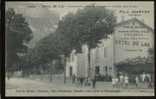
(79, 48)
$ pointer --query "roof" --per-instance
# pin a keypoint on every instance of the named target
(136, 20)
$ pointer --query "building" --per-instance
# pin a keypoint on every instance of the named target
(131, 38)
(77, 63)
(102, 58)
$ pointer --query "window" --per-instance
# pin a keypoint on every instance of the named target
(105, 52)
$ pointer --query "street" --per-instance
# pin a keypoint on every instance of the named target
(31, 87)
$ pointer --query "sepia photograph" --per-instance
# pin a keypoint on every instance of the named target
(79, 48)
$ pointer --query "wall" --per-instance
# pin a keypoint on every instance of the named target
(130, 40)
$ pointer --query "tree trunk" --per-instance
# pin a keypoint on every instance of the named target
(89, 65)
(64, 63)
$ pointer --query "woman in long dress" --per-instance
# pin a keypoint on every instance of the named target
(126, 81)
(136, 81)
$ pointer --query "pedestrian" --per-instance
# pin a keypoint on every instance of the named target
(117, 82)
(143, 77)
(78, 80)
(150, 84)
(94, 82)
(73, 78)
(113, 82)
(136, 81)
(121, 80)
(81, 81)
(126, 81)
(87, 82)
(152, 80)
(146, 80)
(149, 81)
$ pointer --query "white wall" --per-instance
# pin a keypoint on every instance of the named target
(99, 59)
(122, 51)
(71, 62)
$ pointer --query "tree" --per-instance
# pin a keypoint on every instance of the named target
(88, 26)
(18, 34)
(45, 51)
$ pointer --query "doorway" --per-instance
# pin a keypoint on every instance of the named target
(70, 71)
(97, 70)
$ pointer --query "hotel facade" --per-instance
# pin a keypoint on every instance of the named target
(131, 38)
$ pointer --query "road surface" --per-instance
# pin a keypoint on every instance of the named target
(33, 87)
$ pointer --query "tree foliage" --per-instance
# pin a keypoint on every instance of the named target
(45, 51)
(18, 34)
(87, 26)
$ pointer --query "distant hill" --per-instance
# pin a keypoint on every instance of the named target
(42, 20)
(42, 26)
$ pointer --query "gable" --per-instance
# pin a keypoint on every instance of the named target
(134, 24)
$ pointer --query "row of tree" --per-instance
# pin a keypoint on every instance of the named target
(18, 34)
(87, 26)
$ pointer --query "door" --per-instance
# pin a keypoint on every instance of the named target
(97, 70)
(70, 71)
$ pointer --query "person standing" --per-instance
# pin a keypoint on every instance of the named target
(146, 80)
(81, 81)
(149, 80)
(136, 81)
(121, 80)
(117, 82)
(94, 82)
(73, 78)
(113, 82)
(143, 77)
(87, 82)
(126, 80)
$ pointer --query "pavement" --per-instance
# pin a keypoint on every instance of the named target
(43, 87)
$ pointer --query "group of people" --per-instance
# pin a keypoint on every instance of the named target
(146, 79)
(123, 80)
(120, 81)
(83, 81)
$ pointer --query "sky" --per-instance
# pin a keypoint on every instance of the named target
(43, 9)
